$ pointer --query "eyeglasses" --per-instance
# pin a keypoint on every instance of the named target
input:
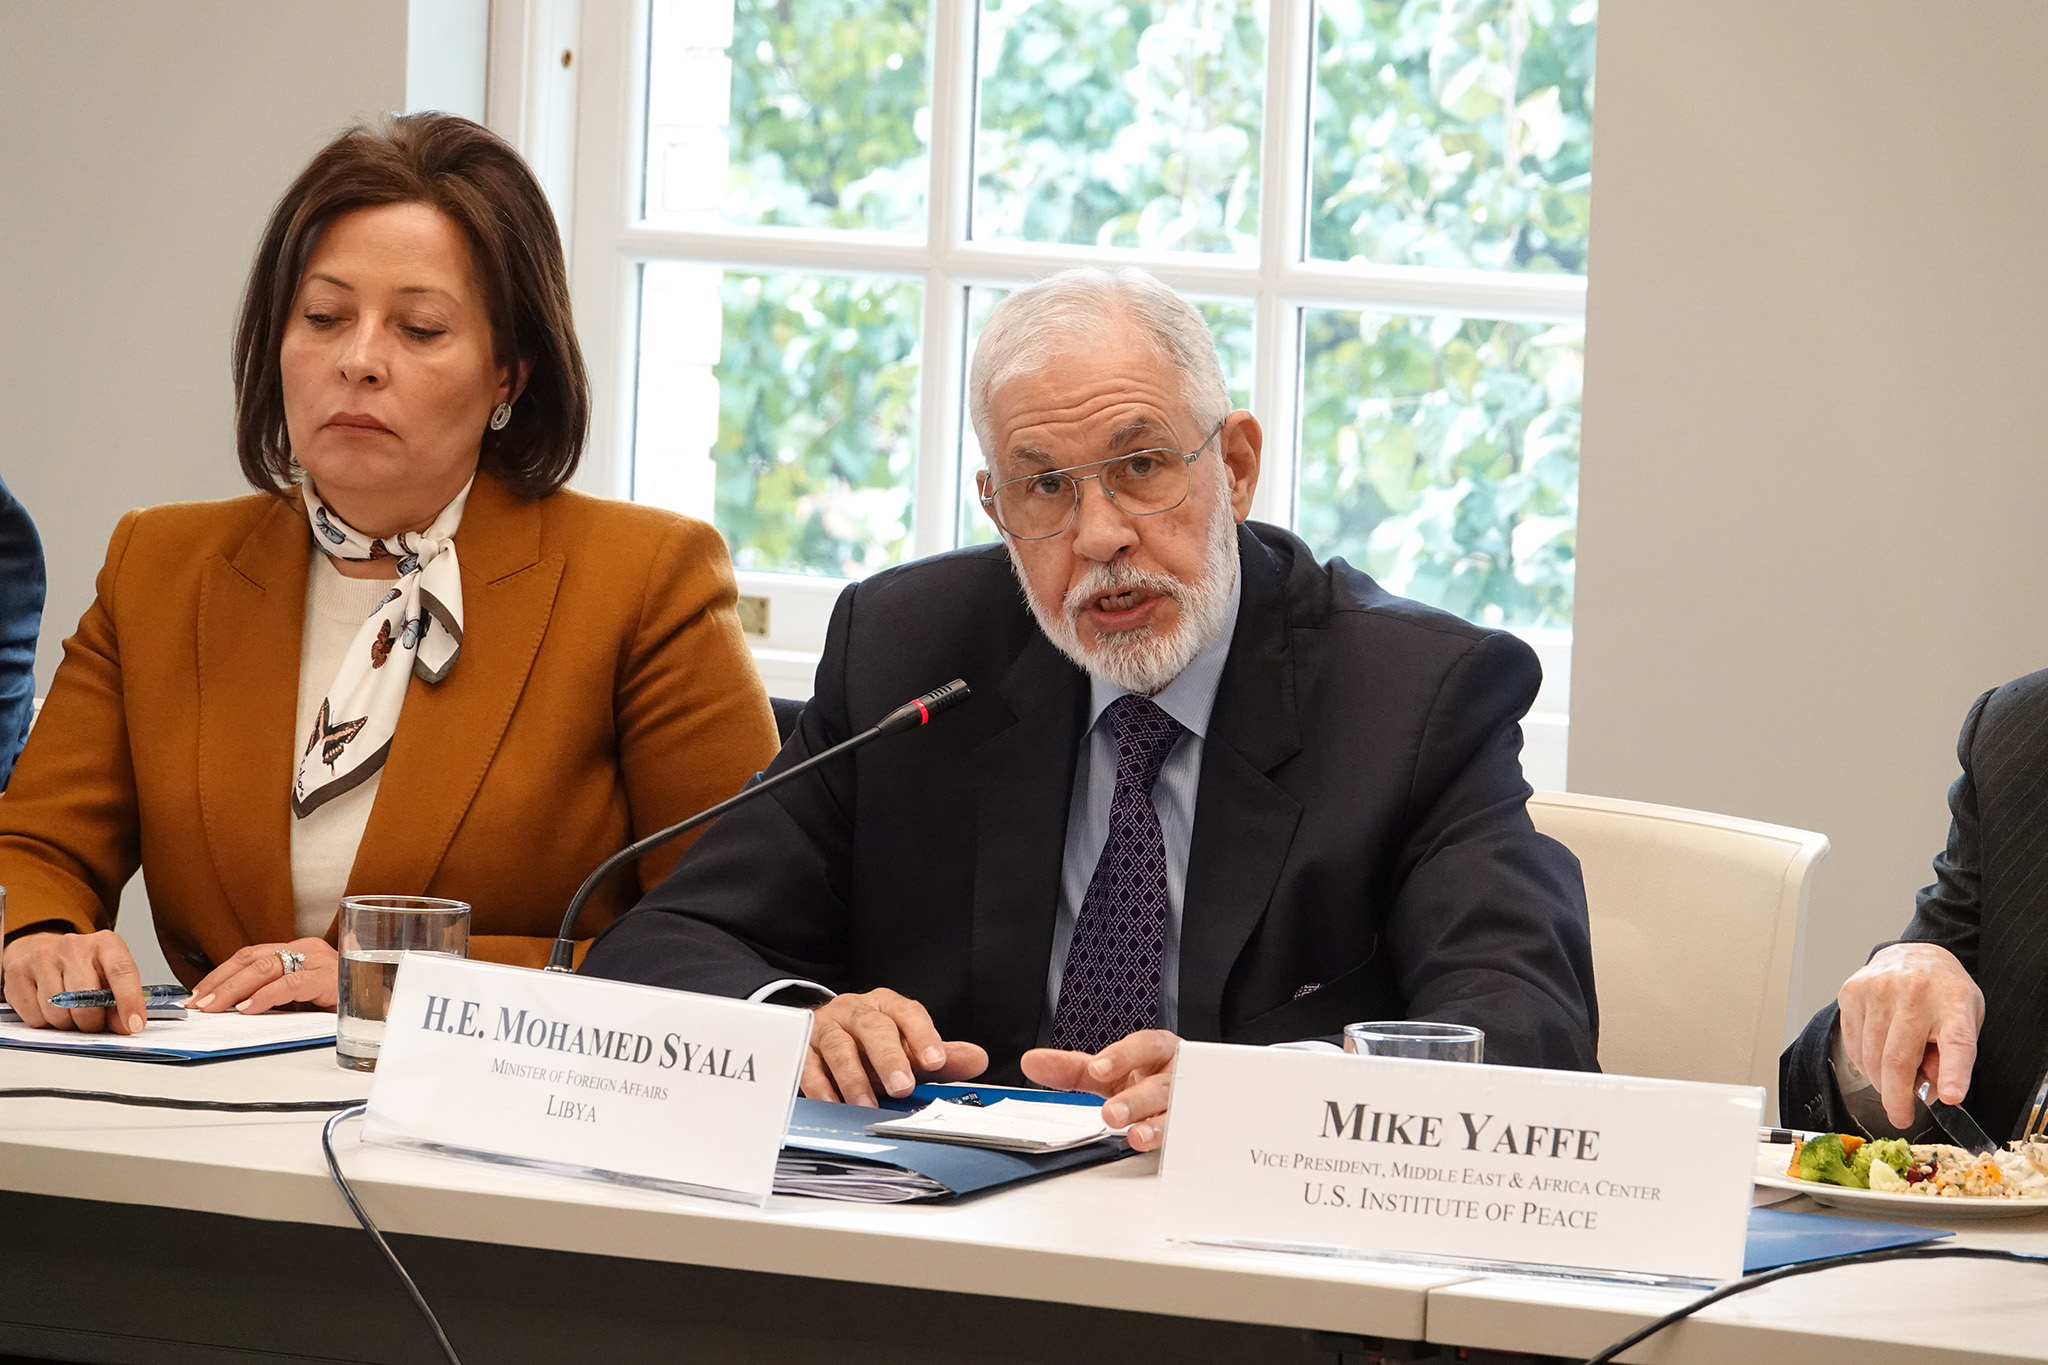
(1143, 483)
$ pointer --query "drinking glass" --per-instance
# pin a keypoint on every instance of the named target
(1411, 1038)
(377, 932)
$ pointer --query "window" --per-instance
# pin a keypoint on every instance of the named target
(792, 218)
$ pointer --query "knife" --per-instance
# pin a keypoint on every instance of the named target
(1955, 1121)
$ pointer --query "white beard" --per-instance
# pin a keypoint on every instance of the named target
(1142, 660)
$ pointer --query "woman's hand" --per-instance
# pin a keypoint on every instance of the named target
(41, 965)
(254, 979)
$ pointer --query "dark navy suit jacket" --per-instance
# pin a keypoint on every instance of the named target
(1988, 905)
(1362, 848)
(21, 617)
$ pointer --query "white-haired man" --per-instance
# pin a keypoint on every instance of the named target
(1205, 787)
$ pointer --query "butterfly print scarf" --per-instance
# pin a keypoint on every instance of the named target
(416, 629)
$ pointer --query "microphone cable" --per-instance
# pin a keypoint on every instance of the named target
(339, 1110)
(355, 1205)
(1786, 1272)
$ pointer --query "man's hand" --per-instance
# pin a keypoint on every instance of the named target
(1912, 1008)
(1135, 1073)
(880, 1038)
(254, 979)
(41, 965)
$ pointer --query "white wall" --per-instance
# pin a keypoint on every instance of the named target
(145, 142)
(142, 145)
(1813, 482)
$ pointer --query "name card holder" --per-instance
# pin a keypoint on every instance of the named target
(1489, 1167)
(628, 1084)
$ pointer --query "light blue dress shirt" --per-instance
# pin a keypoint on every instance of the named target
(1189, 699)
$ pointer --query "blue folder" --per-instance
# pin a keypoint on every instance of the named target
(1778, 1237)
(837, 1130)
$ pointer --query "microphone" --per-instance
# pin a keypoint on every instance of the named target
(909, 716)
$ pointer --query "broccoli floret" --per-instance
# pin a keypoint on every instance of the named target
(1822, 1159)
(1896, 1153)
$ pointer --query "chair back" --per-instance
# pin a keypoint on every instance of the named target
(1695, 921)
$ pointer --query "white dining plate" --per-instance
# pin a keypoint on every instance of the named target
(1771, 1161)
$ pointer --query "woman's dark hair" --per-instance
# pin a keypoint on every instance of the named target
(469, 173)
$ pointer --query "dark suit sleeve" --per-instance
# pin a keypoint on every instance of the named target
(762, 895)
(1949, 912)
(1489, 924)
(21, 614)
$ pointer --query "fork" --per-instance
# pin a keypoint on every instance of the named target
(2037, 1116)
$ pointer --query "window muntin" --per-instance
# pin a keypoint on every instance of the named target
(1283, 276)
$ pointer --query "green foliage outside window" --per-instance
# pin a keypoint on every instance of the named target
(828, 127)
(817, 421)
(1441, 455)
(1115, 124)
(1453, 133)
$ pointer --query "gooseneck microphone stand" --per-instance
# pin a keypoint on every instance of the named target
(909, 716)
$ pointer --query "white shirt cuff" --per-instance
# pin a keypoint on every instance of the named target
(804, 994)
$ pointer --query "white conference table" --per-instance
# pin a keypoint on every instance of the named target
(1037, 1264)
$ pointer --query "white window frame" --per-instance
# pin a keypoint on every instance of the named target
(597, 103)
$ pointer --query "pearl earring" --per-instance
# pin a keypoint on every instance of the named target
(501, 416)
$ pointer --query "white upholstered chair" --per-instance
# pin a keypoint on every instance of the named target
(1695, 919)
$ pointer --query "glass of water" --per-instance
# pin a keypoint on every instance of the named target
(1412, 1038)
(377, 932)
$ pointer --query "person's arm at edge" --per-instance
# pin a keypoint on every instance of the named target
(693, 718)
(1915, 1005)
(1489, 925)
(22, 590)
(757, 901)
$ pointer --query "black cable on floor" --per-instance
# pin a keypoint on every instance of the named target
(348, 1109)
(1786, 1272)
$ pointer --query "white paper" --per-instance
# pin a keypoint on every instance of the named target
(1010, 1124)
(1438, 1159)
(197, 1033)
(594, 1078)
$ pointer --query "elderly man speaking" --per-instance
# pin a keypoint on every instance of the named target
(1205, 787)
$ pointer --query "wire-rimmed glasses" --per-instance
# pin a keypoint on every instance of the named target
(1142, 483)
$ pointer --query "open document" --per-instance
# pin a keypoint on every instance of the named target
(1007, 1125)
(194, 1038)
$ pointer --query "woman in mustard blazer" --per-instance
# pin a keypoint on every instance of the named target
(414, 663)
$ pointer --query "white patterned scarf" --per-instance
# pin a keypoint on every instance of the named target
(416, 628)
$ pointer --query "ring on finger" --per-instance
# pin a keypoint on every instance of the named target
(291, 961)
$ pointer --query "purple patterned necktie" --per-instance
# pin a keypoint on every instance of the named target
(1110, 986)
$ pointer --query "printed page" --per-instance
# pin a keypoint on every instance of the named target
(1015, 1125)
(195, 1033)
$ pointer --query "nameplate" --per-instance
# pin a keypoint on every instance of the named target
(629, 1084)
(1439, 1160)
